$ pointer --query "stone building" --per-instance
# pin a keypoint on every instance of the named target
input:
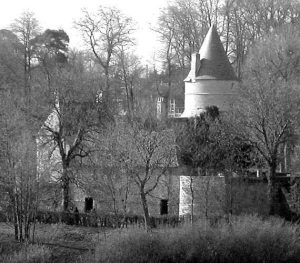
(210, 82)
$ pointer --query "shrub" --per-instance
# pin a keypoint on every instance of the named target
(251, 239)
(244, 239)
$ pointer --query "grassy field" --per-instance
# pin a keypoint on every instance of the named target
(53, 243)
(244, 239)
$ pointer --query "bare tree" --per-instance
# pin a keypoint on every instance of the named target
(183, 25)
(26, 27)
(128, 71)
(18, 151)
(76, 114)
(105, 32)
(248, 21)
(11, 70)
(148, 153)
(18, 179)
(107, 177)
(268, 111)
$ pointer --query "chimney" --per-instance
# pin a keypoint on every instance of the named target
(195, 65)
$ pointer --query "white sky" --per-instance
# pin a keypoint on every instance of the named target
(61, 14)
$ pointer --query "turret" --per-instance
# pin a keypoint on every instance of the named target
(211, 80)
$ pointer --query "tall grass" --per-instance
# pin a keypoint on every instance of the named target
(244, 239)
(28, 254)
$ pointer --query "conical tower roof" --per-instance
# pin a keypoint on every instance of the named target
(214, 63)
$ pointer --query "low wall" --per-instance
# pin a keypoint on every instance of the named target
(245, 196)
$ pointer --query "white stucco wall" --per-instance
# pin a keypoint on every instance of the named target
(184, 196)
(48, 156)
(208, 195)
(203, 93)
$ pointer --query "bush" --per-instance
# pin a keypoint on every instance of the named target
(244, 239)
(101, 220)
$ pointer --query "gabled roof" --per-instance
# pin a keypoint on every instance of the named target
(214, 63)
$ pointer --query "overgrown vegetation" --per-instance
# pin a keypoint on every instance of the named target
(54, 243)
(29, 253)
(244, 239)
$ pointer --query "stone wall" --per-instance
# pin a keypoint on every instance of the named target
(245, 196)
(167, 189)
(249, 196)
(208, 192)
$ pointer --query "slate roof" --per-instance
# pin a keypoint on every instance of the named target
(214, 63)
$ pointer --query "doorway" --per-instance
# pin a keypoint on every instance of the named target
(88, 204)
(163, 206)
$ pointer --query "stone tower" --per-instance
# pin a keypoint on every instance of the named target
(211, 80)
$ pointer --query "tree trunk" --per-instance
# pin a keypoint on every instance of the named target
(228, 195)
(131, 98)
(37, 193)
(15, 211)
(145, 208)
(128, 99)
(27, 212)
(20, 222)
(273, 196)
(106, 73)
(115, 204)
(66, 189)
(206, 196)
(126, 196)
(192, 197)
